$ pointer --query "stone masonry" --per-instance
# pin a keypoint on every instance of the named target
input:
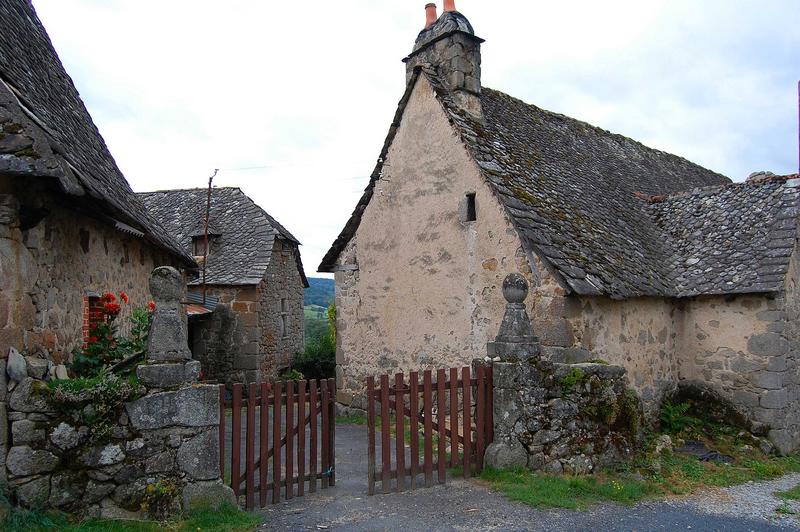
(550, 416)
(166, 438)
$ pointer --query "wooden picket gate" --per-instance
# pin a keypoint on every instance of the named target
(454, 398)
(288, 409)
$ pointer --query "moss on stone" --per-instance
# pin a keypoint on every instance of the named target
(571, 379)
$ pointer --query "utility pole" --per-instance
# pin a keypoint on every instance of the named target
(205, 248)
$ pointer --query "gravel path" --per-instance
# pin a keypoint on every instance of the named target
(751, 501)
(470, 506)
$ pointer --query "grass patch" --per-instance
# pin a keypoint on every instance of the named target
(226, 518)
(352, 419)
(785, 510)
(792, 494)
(571, 492)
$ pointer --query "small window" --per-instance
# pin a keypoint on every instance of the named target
(284, 318)
(92, 315)
(199, 246)
(471, 214)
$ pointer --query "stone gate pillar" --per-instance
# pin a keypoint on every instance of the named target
(515, 344)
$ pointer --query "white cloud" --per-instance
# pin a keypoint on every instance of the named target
(181, 87)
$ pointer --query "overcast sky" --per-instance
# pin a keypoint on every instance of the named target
(293, 100)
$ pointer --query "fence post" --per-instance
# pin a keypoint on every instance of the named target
(400, 442)
(332, 444)
(250, 456)
(371, 435)
(236, 439)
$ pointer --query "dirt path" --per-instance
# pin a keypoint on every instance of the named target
(467, 505)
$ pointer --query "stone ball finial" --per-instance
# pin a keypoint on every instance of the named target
(515, 288)
(166, 284)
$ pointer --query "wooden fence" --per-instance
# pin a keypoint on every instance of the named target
(462, 424)
(302, 419)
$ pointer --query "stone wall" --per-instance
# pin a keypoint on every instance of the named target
(550, 416)
(243, 340)
(226, 342)
(86, 450)
(282, 281)
(46, 269)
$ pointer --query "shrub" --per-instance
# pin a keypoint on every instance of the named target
(318, 361)
(674, 418)
(105, 347)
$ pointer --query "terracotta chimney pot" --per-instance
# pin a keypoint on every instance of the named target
(449, 5)
(430, 15)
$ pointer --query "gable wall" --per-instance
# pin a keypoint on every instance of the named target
(427, 290)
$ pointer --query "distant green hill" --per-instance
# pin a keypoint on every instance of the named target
(320, 292)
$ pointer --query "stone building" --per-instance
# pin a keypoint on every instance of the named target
(634, 256)
(255, 272)
(70, 226)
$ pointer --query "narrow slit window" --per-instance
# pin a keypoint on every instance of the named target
(472, 213)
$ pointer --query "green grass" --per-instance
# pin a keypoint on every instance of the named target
(785, 510)
(226, 518)
(571, 492)
(677, 475)
(352, 419)
(792, 494)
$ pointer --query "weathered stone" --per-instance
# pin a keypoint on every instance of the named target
(768, 380)
(37, 367)
(199, 456)
(34, 494)
(130, 494)
(97, 491)
(578, 465)
(174, 441)
(207, 494)
(66, 489)
(65, 437)
(767, 344)
(168, 339)
(61, 372)
(190, 407)
(109, 510)
(102, 456)
(775, 399)
(30, 395)
(160, 463)
(23, 461)
(25, 431)
(168, 375)
(504, 456)
(553, 467)
(16, 366)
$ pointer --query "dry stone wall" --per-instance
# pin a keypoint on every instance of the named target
(121, 448)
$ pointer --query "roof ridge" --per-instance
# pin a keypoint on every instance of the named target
(190, 189)
(761, 181)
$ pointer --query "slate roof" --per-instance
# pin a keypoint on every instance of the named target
(242, 251)
(574, 193)
(736, 238)
(44, 92)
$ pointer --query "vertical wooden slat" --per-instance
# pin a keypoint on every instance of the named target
(400, 432)
(250, 453)
(276, 444)
(413, 402)
(370, 435)
(441, 413)
(289, 440)
(236, 439)
(312, 453)
(301, 438)
(263, 445)
(332, 444)
(427, 399)
(480, 433)
(466, 401)
(490, 406)
(453, 417)
(326, 427)
(222, 431)
(386, 457)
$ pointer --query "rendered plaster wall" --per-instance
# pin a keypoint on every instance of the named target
(281, 302)
(46, 270)
(426, 292)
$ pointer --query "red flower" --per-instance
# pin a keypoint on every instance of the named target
(151, 306)
(123, 296)
(92, 339)
(111, 308)
(108, 297)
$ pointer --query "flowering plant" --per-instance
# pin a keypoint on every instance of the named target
(104, 346)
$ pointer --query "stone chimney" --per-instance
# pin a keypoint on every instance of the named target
(449, 45)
